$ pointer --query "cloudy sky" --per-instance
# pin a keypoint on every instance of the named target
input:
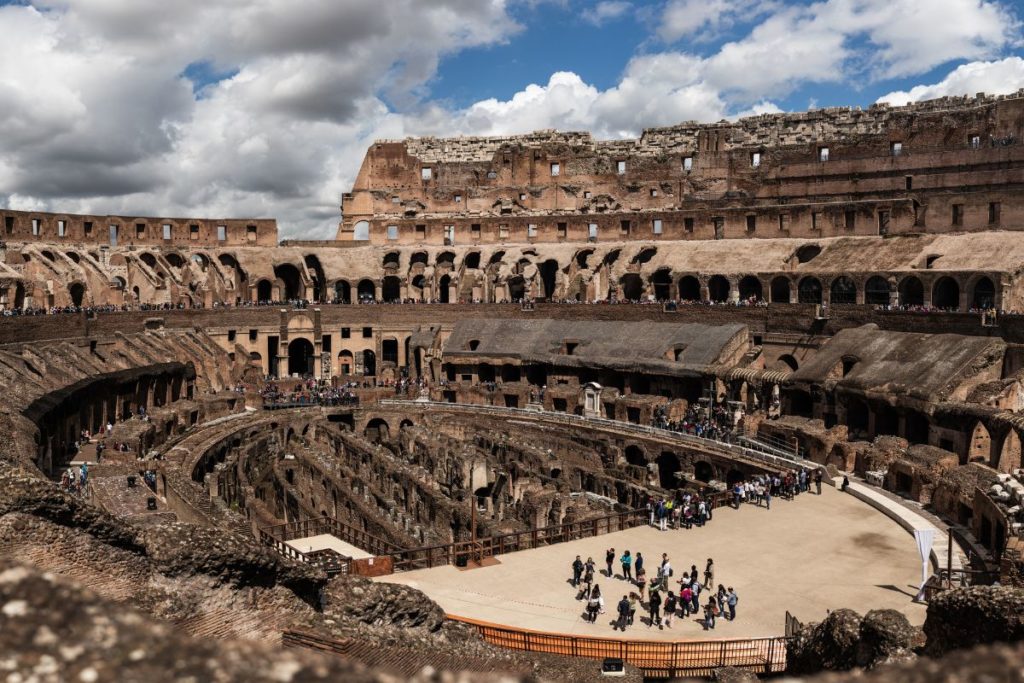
(264, 108)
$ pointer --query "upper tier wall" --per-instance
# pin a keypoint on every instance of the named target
(38, 226)
(913, 169)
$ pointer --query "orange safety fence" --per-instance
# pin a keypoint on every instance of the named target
(657, 659)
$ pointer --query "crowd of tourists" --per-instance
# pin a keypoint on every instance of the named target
(310, 392)
(661, 596)
(717, 423)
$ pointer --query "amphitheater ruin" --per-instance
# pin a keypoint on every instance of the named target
(360, 458)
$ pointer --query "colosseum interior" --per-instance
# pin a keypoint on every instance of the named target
(513, 345)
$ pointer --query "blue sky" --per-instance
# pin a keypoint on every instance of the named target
(265, 108)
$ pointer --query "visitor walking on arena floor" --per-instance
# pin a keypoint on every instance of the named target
(731, 599)
(817, 480)
(709, 573)
(654, 607)
(627, 566)
(588, 578)
(670, 608)
(595, 604)
(609, 559)
(623, 610)
(577, 571)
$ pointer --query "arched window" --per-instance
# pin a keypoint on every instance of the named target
(718, 288)
(810, 290)
(750, 288)
(780, 290)
(911, 292)
(689, 288)
(361, 231)
(876, 291)
(946, 294)
(984, 294)
(844, 291)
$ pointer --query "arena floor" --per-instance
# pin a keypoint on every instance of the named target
(807, 556)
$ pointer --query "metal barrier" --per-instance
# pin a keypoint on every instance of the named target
(326, 525)
(657, 659)
(465, 551)
(722, 447)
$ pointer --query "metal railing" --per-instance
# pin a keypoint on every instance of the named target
(657, 659)
(316, 526)
(460, 552)
(722, 447)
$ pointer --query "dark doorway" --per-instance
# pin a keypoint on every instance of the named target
(668, 466)
(548, 271)
(300, 357)
(292, 281)
(342, 292)
(946, 294)
(718, 289)
(780, 290)
(77, 291)
(689, 288)
(264, 290)
(369, 363)
(810, 290)
(911, 292)
(876, 291)
(391, 290)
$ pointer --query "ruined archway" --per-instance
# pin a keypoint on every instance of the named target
(718, 289)
(911, 291)
(876, 291)
(780, 290)
(844, 291)
(291, 280)
(750, 288)
(635, 455)
(444, 289)
(366, 291)
(661, 282)
(264, 291)
(77, 292)
(984, 294)
(809, 290)
(689, 288)
(946, 294)
(703, 471)
(668, 467)
(632, 287)
(548, 270)
(342, 292)
(1009, 454)
(979, 448)
(377, 430)
(369, 363)
(391, 289)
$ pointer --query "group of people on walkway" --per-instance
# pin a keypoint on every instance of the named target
(685, 510)
(760, 489)
(663, 603)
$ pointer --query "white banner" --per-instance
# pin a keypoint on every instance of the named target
(924, 538)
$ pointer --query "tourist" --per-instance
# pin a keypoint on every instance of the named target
(817, 480)
(654, 607)
(595, 604)
(638, 563)
(627, 566)
(634, 600)
(665, 570)
(623, 610)
(609, 559)
(641, 579)
(720, 595)
(670, 608)
(577, 571)
(731, 599)
(710, 612)
(709, 573)
(588, 578)
(685, 596)
(695, 588)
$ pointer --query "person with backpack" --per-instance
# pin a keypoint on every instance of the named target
(685, 598)
(609, 559)
(577, 571)
(670, 608)
(588, 579)
(710, 612)
(641, 579)
(623, 611)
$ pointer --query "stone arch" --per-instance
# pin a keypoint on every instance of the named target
(807, 252)
(635, 455)
(876, 291)
(780, 290)
(632, 286)
(979, 448)
(734, 476)
(419, 257)
(809, 290)
(517, 288)
(346, 362)
(911, 291)
(472, 260)
(77, 292)
(946, 293)
(300, 357)
(264, 291)
(750, 288)
(392, 259)
(843, 291)
(548, 271)
(418, 283)
(789, 361)
(391, 289)
(689, 288)
(661, 283)
(703, 471)
(369, 363)
(444, 289)
(377, 430)
(668, 467)
(366, 291)
(290, 277)
(1009, 453)
(718, 288)
(984, 293)
(342, 292)
(19, 296)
